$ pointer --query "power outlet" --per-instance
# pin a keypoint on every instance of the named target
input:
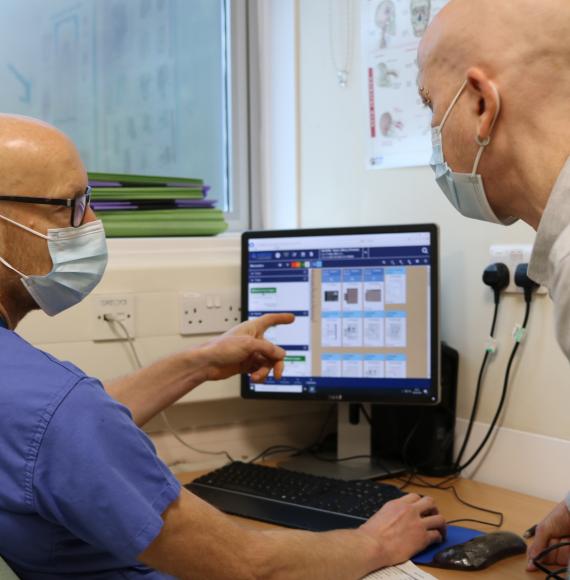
(512, 255)
(120, 306)
(212, 312)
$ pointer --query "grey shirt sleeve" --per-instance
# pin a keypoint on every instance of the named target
(559, 265)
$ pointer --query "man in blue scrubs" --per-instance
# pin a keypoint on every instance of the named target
(82, 491)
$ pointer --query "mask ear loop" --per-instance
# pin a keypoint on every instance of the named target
(24, 227)
(483, 143)
(10, 267)
(2, 260)
(452, 106)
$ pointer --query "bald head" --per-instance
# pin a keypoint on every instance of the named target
(36, 160)
(515, 57)
(501, 36)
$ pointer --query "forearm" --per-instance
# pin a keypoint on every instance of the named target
(337, 555)
(198, 541)
(241, 350)
(152, 389)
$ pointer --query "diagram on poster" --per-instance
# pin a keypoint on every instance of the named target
(398, 132)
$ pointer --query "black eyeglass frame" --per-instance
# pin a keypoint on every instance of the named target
(78, 204)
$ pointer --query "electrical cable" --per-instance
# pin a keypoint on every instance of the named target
(130, 341)
(365, 413)
(555, 574)
(278, 449)
(503, 396)
(422, 483)
(414, 479)
(412, 469)
(478, 389)
(497, 276)
(274, 449)
(418, 481)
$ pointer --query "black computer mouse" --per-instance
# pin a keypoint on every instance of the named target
(480, 552)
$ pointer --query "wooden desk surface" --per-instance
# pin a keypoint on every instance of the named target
(520, 511)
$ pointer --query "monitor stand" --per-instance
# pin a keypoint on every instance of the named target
(354, 439)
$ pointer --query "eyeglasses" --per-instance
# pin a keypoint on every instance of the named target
(78, 204)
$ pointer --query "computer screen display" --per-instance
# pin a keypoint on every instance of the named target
(365, 302)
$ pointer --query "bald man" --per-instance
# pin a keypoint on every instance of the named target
(82, 491)
(496, 76)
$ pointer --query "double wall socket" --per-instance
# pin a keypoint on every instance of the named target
(121, 307)
(512, 255)
(210, 312)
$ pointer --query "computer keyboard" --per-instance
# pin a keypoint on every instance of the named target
(290, 498)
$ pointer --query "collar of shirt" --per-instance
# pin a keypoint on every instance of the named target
(3, 323)
(555, 219)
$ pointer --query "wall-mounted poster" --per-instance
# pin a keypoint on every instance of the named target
(398, 124)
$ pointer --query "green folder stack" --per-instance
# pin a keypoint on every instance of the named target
(153, 206)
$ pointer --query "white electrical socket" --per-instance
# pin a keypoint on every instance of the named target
(211, 312)
(120, 306)
(512, 255)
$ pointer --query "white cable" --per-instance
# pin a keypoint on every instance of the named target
(110, 318)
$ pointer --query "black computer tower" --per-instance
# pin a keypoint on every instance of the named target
(420, 437)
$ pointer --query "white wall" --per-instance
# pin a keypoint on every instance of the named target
(336, 189)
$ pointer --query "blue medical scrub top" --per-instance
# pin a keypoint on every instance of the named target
(81, 487)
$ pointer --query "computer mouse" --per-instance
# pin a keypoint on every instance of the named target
(480, 552)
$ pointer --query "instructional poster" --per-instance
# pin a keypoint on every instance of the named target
(398, 131)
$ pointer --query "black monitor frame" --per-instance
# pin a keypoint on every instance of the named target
(350, 395)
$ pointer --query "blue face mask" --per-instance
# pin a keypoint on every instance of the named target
(79, 258)
(465, 191)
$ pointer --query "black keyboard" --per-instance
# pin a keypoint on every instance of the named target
(290, 498)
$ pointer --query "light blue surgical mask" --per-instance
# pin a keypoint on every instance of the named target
(465, 191)
(79, 258)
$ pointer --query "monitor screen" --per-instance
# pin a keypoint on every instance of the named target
(365, 302)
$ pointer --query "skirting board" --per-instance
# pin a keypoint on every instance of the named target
(525, 462)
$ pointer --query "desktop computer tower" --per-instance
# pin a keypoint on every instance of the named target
(420, 437)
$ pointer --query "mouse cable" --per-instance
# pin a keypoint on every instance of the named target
(488, 351)
(555, 574)
(412, 469)
(130, 342)
(365, 413)
(274, 449)
(313, 449)
(415, 479)
(502, 400)
(422, 483)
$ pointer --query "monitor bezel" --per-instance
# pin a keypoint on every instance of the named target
(399, 399)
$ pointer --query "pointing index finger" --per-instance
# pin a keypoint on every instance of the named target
(268, 320)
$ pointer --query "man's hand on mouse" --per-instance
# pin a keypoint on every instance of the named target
(404, 527)
(553, 529)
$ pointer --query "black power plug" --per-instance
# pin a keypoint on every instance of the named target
(497, 277)
(523, 281)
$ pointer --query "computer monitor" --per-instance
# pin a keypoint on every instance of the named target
(366, 306)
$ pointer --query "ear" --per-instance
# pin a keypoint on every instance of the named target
(489, 102)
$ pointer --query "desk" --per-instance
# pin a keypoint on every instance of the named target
(521, 511)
